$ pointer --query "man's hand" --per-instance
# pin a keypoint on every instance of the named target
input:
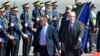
(0, 26)
(58, 52)
(0, 40)
(97, 29)
(60, 43)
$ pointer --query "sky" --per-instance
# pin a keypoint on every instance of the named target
(61, 1)
(61, 4)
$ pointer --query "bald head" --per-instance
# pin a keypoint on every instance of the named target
(71, 15)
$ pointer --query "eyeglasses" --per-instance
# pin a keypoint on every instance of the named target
(71, 16)
(41, 21)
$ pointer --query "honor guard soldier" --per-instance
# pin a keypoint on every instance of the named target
(26, 29)
(3, 33)
(6, 5)
(55, 14)
(15, 31)
(42, 8)
(48, 10)
(36, 14)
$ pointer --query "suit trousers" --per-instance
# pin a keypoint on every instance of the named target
(98, 42)
(12, 50)
(27, 46)
(43, 51)
(72, 52)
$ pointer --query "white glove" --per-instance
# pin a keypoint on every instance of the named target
(47, 16)
(79, 39)
(0, 39)
(11, 37)
(26, 24)
(34, 29)
(25, 35)
(0, 26)
(43, 8)
(55, 18)
(12, 24)
(37, 19)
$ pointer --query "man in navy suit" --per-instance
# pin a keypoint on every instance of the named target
(45, 39)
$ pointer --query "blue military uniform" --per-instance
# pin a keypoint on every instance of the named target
(55, 14)
(36, 14)
(7, 12)
(25, 19)
(48, 11)
(3, 34)
(15, 31)
(42, 8)
(26, 29)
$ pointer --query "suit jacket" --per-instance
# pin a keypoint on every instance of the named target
(98, 20)
(51, 38)
(70, 39)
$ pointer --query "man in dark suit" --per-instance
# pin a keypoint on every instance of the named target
(64, 18)
(98, 28)
(45, 39)
(71, 35)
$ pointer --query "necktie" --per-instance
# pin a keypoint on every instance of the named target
(43, 32)
(71, 27)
